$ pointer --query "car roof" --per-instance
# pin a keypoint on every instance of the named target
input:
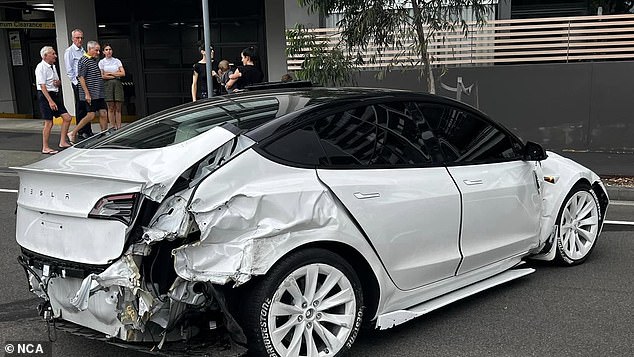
(321, 98)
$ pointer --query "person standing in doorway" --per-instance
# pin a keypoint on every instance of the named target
(50, 100)
(199, 78)
(71, 61)
(91, 91)
(111, 72)
(247, 74)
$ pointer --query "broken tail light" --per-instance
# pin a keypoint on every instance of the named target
(119, 207)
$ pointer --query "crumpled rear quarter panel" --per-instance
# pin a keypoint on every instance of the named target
(251, 212)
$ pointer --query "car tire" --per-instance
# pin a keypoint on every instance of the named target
(280, 316)
(578, 224)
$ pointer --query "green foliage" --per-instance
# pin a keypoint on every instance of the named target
(321, 64)
(385, 24)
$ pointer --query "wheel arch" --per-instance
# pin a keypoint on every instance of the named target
(599, 190)
(604, 200)
(367, 277)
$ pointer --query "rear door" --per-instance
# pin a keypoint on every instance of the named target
(501, 196)
(374, 159)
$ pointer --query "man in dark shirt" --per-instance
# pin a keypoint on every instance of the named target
(91, 90)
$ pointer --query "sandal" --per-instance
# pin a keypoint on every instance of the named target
(49, 152)
(71, 138)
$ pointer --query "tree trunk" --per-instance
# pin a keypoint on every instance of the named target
(422, 46)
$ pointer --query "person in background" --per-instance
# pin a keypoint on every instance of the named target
(50, 100)
(247, 74)
(111, 72)
(286, 77)
(224, 71)
(199, 78)
(91, 92)
(71, 60)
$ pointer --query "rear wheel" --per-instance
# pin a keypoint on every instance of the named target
(578, 222)
(309, 304)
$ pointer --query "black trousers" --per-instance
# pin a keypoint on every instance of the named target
(80, 112)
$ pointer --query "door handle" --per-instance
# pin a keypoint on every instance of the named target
(363, 196)
(472, 182)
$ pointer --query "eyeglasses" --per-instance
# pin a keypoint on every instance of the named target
(79, 37)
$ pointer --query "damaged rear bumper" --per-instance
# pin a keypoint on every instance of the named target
(117, 303)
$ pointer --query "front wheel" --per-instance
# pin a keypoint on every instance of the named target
(309, 304)
(578, 223)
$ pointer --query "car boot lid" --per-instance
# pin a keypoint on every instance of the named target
(156, 169)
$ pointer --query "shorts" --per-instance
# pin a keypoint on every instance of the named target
(45, 109)
(114, 90)
(95, 105)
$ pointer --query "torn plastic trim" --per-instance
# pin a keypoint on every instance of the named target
(171, 220)
(123, 273)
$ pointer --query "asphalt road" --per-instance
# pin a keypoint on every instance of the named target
(579, 311)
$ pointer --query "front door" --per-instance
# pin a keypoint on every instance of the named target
(501, 198)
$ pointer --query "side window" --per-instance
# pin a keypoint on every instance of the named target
(402, 120)
(364, 137)
(464, 137)
(369, 136)
(347, 139)
(300, 146)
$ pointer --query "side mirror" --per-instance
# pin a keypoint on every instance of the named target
(534, 152)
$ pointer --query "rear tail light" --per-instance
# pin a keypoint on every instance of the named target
(119, 207)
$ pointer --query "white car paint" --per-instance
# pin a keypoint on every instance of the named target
(251, 212)
(156, 168)
(404, 201)
(57, 194)
(567, 174)
(501, 209)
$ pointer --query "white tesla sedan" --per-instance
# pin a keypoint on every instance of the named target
(289, 217)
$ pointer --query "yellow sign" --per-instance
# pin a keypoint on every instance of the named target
(27, 25)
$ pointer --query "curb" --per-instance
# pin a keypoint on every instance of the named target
(618, 193)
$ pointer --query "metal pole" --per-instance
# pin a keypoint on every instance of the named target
(207, 30)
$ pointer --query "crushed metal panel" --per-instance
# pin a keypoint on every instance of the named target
(246, 214)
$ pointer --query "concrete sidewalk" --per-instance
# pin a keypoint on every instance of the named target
(19, 152)
(33, 125)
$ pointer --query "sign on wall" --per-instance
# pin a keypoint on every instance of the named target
(27, 25)
(16, 48)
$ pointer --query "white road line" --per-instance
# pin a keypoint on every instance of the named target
(621, 223)
(8, 191)
(621, 203)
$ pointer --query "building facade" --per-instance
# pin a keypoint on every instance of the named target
(157, 41)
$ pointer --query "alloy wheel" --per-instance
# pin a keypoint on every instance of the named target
(579, 225)
(312, 312)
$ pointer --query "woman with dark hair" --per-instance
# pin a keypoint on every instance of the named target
(247, 74)
(199, 78)
(111, 72)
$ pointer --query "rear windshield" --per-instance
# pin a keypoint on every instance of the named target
(183, 123)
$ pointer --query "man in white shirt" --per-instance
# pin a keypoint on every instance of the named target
(71, 60)
(50, 100)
